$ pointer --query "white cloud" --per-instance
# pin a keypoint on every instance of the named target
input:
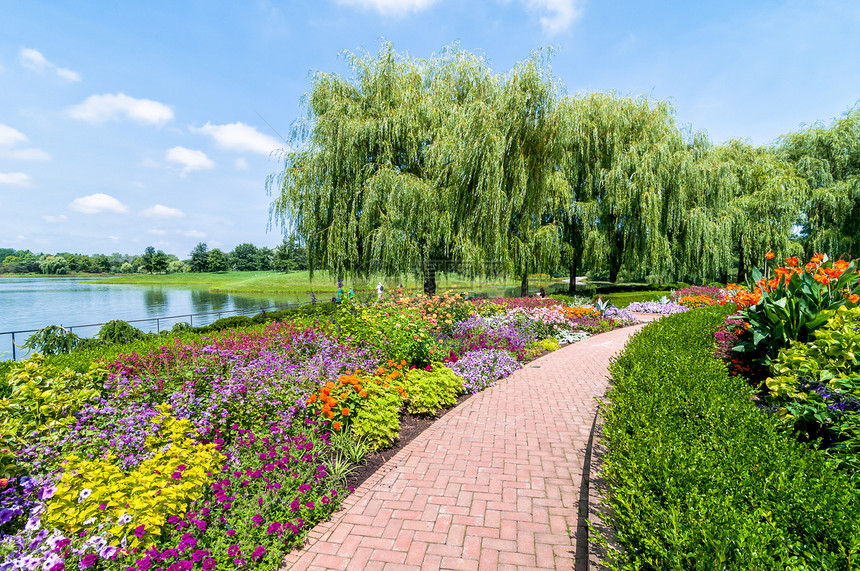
(556, 16)
(241, 164)
(15, 179)
(390, 7)
(26, 155)
(192, 233)
(60, 218)
(161, 211)
(68, 74)
(118, 106)
(96, 203)
(239, 137)
(157, 232)
(137, 184)
(35, 61)
(192, 160)
(9, 138)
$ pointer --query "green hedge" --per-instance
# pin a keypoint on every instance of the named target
(700, 478)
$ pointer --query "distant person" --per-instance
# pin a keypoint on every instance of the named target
(340, 293)
(542, 293)
(400, 290)
(380, 291)
(351, 294)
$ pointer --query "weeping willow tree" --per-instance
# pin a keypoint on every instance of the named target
(765, 202)
(358, 191)
(413, 162)
(625, 163)
(499, 157)
(828, 159)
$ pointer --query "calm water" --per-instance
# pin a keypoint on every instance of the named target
(33, 303)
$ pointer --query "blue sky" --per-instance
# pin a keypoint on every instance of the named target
(124, 125)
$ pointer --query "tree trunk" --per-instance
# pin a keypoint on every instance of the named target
(613, 272)
(524, 286)
(429, 272)
(571, 287)
(742, 269)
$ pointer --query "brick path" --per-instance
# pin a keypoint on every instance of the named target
(494, 484)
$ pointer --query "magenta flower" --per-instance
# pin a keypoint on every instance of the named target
(259, 552)
(89, 560)
(140, 531)
(233, 550)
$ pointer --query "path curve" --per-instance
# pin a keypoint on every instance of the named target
(494, 484)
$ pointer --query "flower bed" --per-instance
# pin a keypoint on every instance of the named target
(221, 451)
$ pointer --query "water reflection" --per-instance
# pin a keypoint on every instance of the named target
(155, 300)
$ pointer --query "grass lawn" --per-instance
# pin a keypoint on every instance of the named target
(293, 282)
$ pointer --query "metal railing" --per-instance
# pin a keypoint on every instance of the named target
(158, 320)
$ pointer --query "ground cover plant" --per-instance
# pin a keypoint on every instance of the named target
(220, 450)
(699, 477)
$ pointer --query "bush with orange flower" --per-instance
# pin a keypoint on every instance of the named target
(356, 401)
(789, 306)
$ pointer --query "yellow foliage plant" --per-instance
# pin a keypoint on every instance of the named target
(135, 506)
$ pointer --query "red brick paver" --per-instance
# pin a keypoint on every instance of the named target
(494, 484)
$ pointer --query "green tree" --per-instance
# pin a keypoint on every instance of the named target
(290, 256)
(265, 259)
(827, 157)
(764, 205)
(217, 261)
(199, 261)
(244, 258)
(412, 162)
(54, 265)
(160, 261)
(627, 166)
(147, 259)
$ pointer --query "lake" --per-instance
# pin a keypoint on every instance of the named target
(33, 302)
(30, 303)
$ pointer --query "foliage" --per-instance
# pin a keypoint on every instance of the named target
(827, 157)
(217, 261)
(52, 340)
(698, 476)
(154, 261)
(431, 390)
(39, 397)
(377, 422)
(789, 306)
(816, 386)
(549, 344)
(401, 333)
(95, 494)
(118, 331)
(425, 161)
(199, 261)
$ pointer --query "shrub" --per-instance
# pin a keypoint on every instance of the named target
(431, 391)
(118, 331)
(52, 340)
(699, 477)
(378, 420)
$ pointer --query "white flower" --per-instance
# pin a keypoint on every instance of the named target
(85, 493)
(90, 521)
(107, 552)
(124, 519)
(33, 524)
